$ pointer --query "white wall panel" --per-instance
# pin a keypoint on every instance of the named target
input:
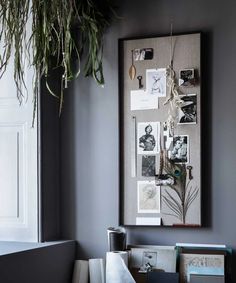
(18, 162)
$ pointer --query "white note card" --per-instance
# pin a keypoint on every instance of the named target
(140, 100)
(148, 221)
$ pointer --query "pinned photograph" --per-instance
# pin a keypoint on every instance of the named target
(150, 257)
(143, 54)
(167, 136)
(148, 165)
(188, 109)
(148, 197)
(180, 151)
(156, 82)
(148, 138)
(186, 77)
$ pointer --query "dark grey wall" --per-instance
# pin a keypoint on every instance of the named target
(50, 161)
(89, 130)
(51, 264)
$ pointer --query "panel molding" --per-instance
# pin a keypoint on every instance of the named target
(18, 131)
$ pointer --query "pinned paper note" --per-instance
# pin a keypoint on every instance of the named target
(148, 221)
(139, 100)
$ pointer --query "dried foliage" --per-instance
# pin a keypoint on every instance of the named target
(62, 31)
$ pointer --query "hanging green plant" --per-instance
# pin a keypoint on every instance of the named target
(62, 32)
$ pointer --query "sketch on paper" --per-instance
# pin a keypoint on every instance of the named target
(148, 197)
(148, 137)
(188, 109)
(156, 82)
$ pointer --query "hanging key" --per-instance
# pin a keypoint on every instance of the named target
(140, 82)
(189, 168)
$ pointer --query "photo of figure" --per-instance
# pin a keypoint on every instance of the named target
(143, 54)
(156, 82)
(148, 137)
(148, 165)
(180, 150)
(188, 110)
(149, 257)
(167, 135)
(148, 197)
(186, 77)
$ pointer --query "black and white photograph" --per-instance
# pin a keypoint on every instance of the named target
(186, 77)
(167, 136)
(150, 257)
(156, 82)
(188, 109)
(143, 54)
(148, 138)
(180, 151)
(148, 165)
(148, 197)
(159, 257)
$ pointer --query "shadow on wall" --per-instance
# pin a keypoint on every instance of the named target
(206, 107)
